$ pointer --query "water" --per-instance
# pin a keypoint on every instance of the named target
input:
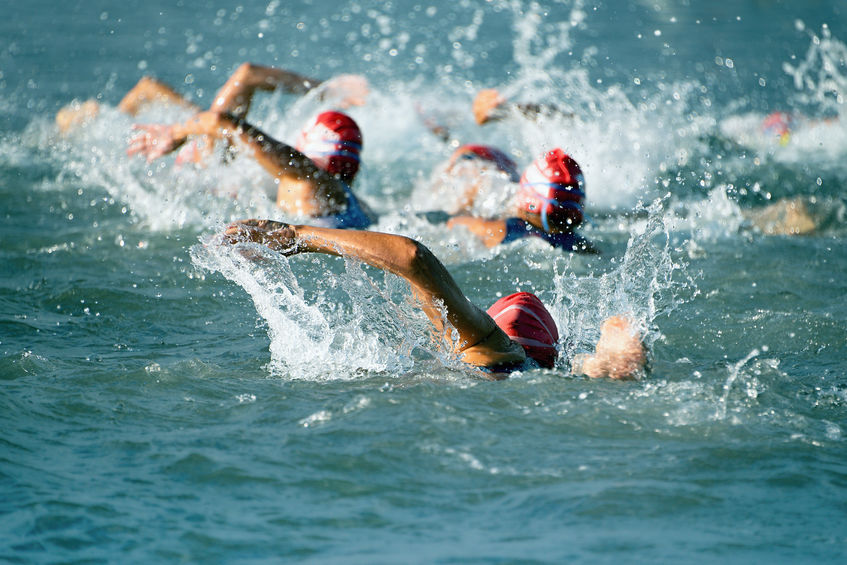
(163, 400)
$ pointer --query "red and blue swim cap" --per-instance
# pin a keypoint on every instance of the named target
(778, 124)
(488, 153)
(333, 141)
(553, 187)
(527, 322)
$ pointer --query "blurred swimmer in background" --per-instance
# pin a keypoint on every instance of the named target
(548, 204)
(484, 193)
(314, 177)
(234, 97)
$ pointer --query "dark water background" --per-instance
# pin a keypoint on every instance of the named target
(163, 402)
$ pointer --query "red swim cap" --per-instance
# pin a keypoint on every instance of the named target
(528, 323)
(553, 187)
(488, 153)
(777, 123)
(333, 141)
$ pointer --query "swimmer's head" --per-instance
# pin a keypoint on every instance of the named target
(486, 154)
(528, 323)
(778, 124)
(551, 192)
(333, 141)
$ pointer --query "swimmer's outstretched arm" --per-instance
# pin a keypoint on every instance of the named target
(489, 106)
(149, 90)
(786, 216)
(235, 95)
(279, 159)
(146, 92)
(480, 342)
(490, 232)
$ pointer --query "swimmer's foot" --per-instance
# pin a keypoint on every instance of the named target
(76, 114)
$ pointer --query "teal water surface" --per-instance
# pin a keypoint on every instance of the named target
(163, 401)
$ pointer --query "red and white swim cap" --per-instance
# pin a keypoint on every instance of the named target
(528, 323)
(778, 124)
(333, 141)
(553, 187)
(487, 153)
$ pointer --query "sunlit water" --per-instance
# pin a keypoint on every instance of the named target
(163, 399)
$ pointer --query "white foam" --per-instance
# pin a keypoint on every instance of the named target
(354, 324)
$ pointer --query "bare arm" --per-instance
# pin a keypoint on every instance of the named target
(235, 96)
(491, 232)
(149, 91)
(279, 159)
(303, 187)
(489, 106)
(481, 342)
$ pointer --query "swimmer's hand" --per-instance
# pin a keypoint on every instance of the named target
(346, 90)
(196, 151)
(153, 141)
(620, 352)
(485, 104)
(278, 236)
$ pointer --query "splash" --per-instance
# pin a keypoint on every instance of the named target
(539, 40)
(348, 323)
(800, 149)
(625, 137)
(815, 134)
(734, 371)
(162, 196)
(821, 77)
(646, 283)
(715, 217)
(470, 187)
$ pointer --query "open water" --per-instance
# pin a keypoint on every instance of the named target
(162, 400)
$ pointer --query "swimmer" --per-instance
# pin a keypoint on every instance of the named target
(778, 125)
(781, 125)
(517, 332)
(548, 204)
(314, 177)
(473, 171)
(550, 193)
(234, 97)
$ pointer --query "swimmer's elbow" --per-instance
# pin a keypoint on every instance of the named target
(243, 71)
(416, 258)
